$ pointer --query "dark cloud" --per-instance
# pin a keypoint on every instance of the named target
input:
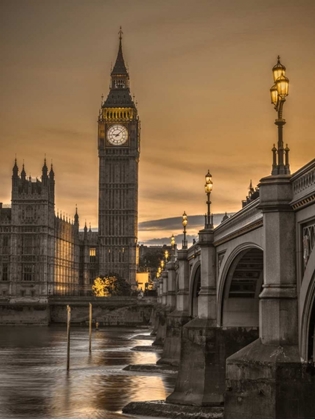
(176, 222)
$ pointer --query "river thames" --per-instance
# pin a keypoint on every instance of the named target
(34, 382)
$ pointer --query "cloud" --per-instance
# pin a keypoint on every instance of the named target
(176, 222)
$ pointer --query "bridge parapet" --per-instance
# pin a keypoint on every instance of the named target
(102, 301)
(193, 251)
(303, 184)
(247, 219)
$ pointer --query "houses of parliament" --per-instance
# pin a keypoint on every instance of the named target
(43, 253)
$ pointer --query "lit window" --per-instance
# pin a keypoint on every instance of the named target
(92, 255)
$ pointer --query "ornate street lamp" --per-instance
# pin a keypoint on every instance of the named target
(173, 245)
(184, 223)
(173, 241)
(278, 92)
(208, 190)
(166, 255)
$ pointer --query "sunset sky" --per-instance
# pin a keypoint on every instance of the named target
(200, 71)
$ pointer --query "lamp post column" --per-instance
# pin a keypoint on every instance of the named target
(278, 92)
(207, 305)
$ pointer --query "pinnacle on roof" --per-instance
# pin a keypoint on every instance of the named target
(51, 173)
(120, 67)
(23, 173)
(15, 167)
(45, 169)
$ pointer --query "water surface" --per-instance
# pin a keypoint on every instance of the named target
(34, 382)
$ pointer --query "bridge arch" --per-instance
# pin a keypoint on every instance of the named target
(240, 285)
(307, 311)
(194, 289)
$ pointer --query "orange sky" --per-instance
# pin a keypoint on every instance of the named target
(201, 73)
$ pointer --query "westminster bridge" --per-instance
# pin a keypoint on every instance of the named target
(236, 311)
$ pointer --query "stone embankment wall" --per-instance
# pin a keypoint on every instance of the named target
(114, 311)
(24, 314)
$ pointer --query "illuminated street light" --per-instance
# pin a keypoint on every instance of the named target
(173, 245)
(184, 223)
(208, 190)
(278, 92)
(173, 241)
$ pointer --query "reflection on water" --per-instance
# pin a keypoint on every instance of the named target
(34, 382)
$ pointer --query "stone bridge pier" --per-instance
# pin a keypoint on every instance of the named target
(205, 345)
(178, 283)
(157, 309)
(161, 309)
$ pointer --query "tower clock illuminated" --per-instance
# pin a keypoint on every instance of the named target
(117, 135)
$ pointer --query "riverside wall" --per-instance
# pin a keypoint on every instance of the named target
(112, 311)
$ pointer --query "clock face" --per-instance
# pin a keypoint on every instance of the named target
(117, 135)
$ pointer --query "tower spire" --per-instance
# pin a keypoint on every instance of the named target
(119, 95)
(120, 68)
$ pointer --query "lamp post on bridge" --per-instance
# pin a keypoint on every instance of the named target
(166, 254)
(184, 223)
(208, 190)
(278, 92)
(173, 247)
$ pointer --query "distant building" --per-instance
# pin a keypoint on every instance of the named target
(43, 253)
(150, 258)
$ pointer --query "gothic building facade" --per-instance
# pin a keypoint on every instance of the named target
(43, 253)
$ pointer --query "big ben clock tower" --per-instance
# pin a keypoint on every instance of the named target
(118, 150)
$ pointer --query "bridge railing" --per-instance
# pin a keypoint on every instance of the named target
(303, 184)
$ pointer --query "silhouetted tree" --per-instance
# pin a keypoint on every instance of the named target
(111, 285)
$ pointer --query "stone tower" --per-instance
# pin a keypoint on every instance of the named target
(118, 150)
(32, 240)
